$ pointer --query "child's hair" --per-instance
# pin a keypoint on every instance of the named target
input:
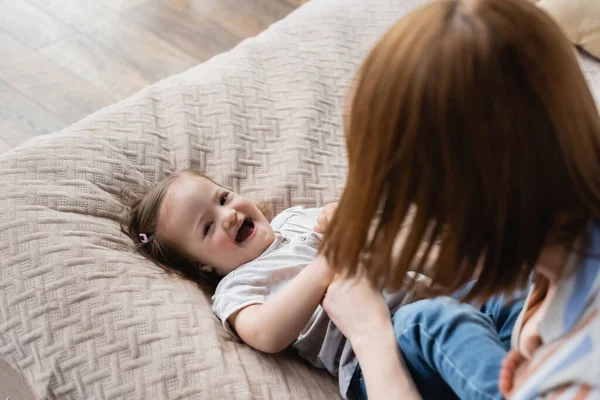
(140, 223)
(477, 113)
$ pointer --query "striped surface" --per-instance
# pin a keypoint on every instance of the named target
(82, 316)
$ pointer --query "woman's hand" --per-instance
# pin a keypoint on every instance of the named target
(359, 312)
(326, 215)
(356, 308)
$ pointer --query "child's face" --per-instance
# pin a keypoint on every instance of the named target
(217, 227)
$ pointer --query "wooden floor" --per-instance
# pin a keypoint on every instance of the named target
(61, 60)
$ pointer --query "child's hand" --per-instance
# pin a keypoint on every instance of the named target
(326, 215)
(512, 373)
(324, 273)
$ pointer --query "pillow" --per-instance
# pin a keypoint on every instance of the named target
(82, 315)
(579, 19)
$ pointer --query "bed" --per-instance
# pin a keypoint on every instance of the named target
(81, 315)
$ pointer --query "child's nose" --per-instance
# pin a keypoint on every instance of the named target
(230, 218)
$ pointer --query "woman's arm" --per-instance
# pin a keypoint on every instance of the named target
(273, 325)
(383, 367)
(360, 313)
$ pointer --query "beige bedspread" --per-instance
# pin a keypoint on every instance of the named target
(81, 315)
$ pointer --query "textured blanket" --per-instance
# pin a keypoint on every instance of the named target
(83, 316)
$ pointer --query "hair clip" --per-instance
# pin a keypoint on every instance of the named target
(143, 238)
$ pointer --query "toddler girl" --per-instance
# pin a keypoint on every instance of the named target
(267, 279)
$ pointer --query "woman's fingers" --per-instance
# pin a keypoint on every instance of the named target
(355, 307)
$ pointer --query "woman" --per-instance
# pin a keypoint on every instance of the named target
(475, 115)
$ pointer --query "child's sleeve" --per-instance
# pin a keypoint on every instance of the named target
(236, 291)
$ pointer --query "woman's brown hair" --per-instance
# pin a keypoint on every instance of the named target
(141, 218)
(476, 116)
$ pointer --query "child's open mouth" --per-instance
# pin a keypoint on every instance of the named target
(245, 231)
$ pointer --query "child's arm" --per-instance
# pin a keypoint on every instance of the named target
(273, 325)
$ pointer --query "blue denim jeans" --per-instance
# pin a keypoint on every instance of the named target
(452, 349)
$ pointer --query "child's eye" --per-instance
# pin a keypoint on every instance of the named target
(207, 228)
(223, 198)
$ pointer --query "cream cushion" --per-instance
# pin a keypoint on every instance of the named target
(81, 315)
(579, 19)
(84, 317)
